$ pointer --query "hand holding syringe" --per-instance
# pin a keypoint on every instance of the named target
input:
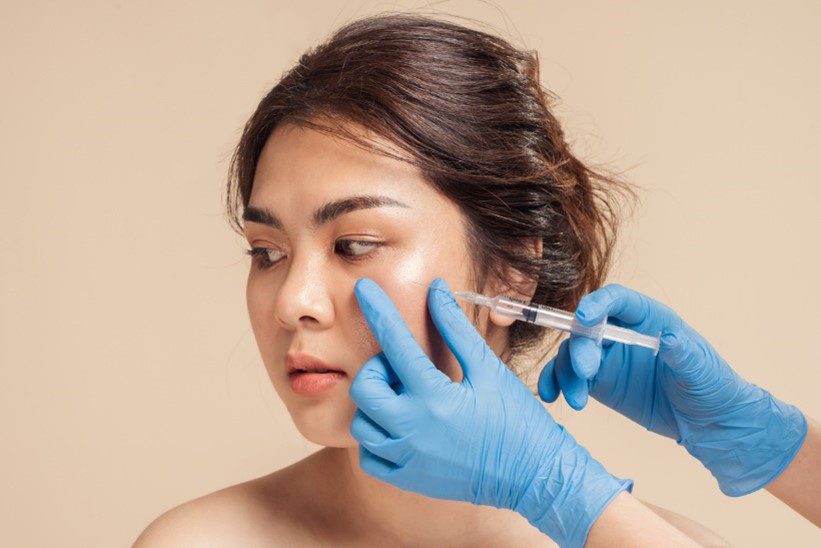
(555, 318)
(685, 391)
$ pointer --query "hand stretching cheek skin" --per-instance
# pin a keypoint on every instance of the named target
(422, 265)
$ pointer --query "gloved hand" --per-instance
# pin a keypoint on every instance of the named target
(740, 432)
(486, 440)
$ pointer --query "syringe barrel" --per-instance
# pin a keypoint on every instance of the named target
(628, 336)
(547, 316)
(513, 308)
(555, 318)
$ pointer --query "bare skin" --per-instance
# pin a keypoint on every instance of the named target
(305, 504)
(304, 302)
(799, 484)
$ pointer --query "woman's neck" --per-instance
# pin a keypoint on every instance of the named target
(392, 514)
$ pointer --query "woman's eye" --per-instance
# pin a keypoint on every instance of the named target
(264, 257)
(354, 249)
(267, 257)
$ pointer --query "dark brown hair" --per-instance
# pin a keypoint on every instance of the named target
(469, 110)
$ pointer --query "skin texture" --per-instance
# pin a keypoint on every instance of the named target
(305, 303)
(799, 484)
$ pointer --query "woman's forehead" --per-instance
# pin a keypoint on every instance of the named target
(314, 166)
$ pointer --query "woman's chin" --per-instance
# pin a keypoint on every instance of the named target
(329, 438)
(326, 424)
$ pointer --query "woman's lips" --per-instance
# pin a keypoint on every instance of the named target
(310, 376)
(310, 383)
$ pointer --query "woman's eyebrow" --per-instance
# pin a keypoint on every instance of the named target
(324, 213)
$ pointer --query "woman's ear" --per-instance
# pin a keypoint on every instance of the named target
(516, 284)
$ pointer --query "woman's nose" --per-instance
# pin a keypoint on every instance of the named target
(303, 297)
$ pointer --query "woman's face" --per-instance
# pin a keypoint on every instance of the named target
(318, 235)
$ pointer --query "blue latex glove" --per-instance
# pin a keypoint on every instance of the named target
(486, 440)
(740, 432)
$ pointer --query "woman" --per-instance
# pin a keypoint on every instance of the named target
(403, 149)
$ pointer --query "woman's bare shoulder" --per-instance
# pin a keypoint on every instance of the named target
(693, 529)
(257, 512)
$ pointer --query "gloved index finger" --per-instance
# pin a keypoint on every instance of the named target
(478, 362)
(612, 300)
(406, 357)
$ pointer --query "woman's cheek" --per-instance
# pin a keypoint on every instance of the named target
(400, 278)
(259, 303)
(272, 341)
(400, 281)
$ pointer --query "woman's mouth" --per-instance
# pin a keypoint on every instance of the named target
(312, 383)
(310, 376)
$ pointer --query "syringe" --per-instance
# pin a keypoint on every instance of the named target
(559, 319)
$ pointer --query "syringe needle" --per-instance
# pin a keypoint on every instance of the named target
(427, 286)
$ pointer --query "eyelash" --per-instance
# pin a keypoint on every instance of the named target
(259, 255)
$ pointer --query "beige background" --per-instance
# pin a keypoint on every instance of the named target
(131, 381)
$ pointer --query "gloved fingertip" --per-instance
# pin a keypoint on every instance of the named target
(548, 388)
(582, 401)
(440, 295)
(673, 348)
(364, 290)
(670, 339)
(363, 284)
(681, 354)
(590, 312)
(440, 284)
(549, 396)
(585, 357)
(576, 399)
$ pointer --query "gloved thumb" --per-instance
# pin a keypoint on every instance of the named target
(683, 355)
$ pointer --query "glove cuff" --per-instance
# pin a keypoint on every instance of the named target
(747, 449)
(569, 493)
